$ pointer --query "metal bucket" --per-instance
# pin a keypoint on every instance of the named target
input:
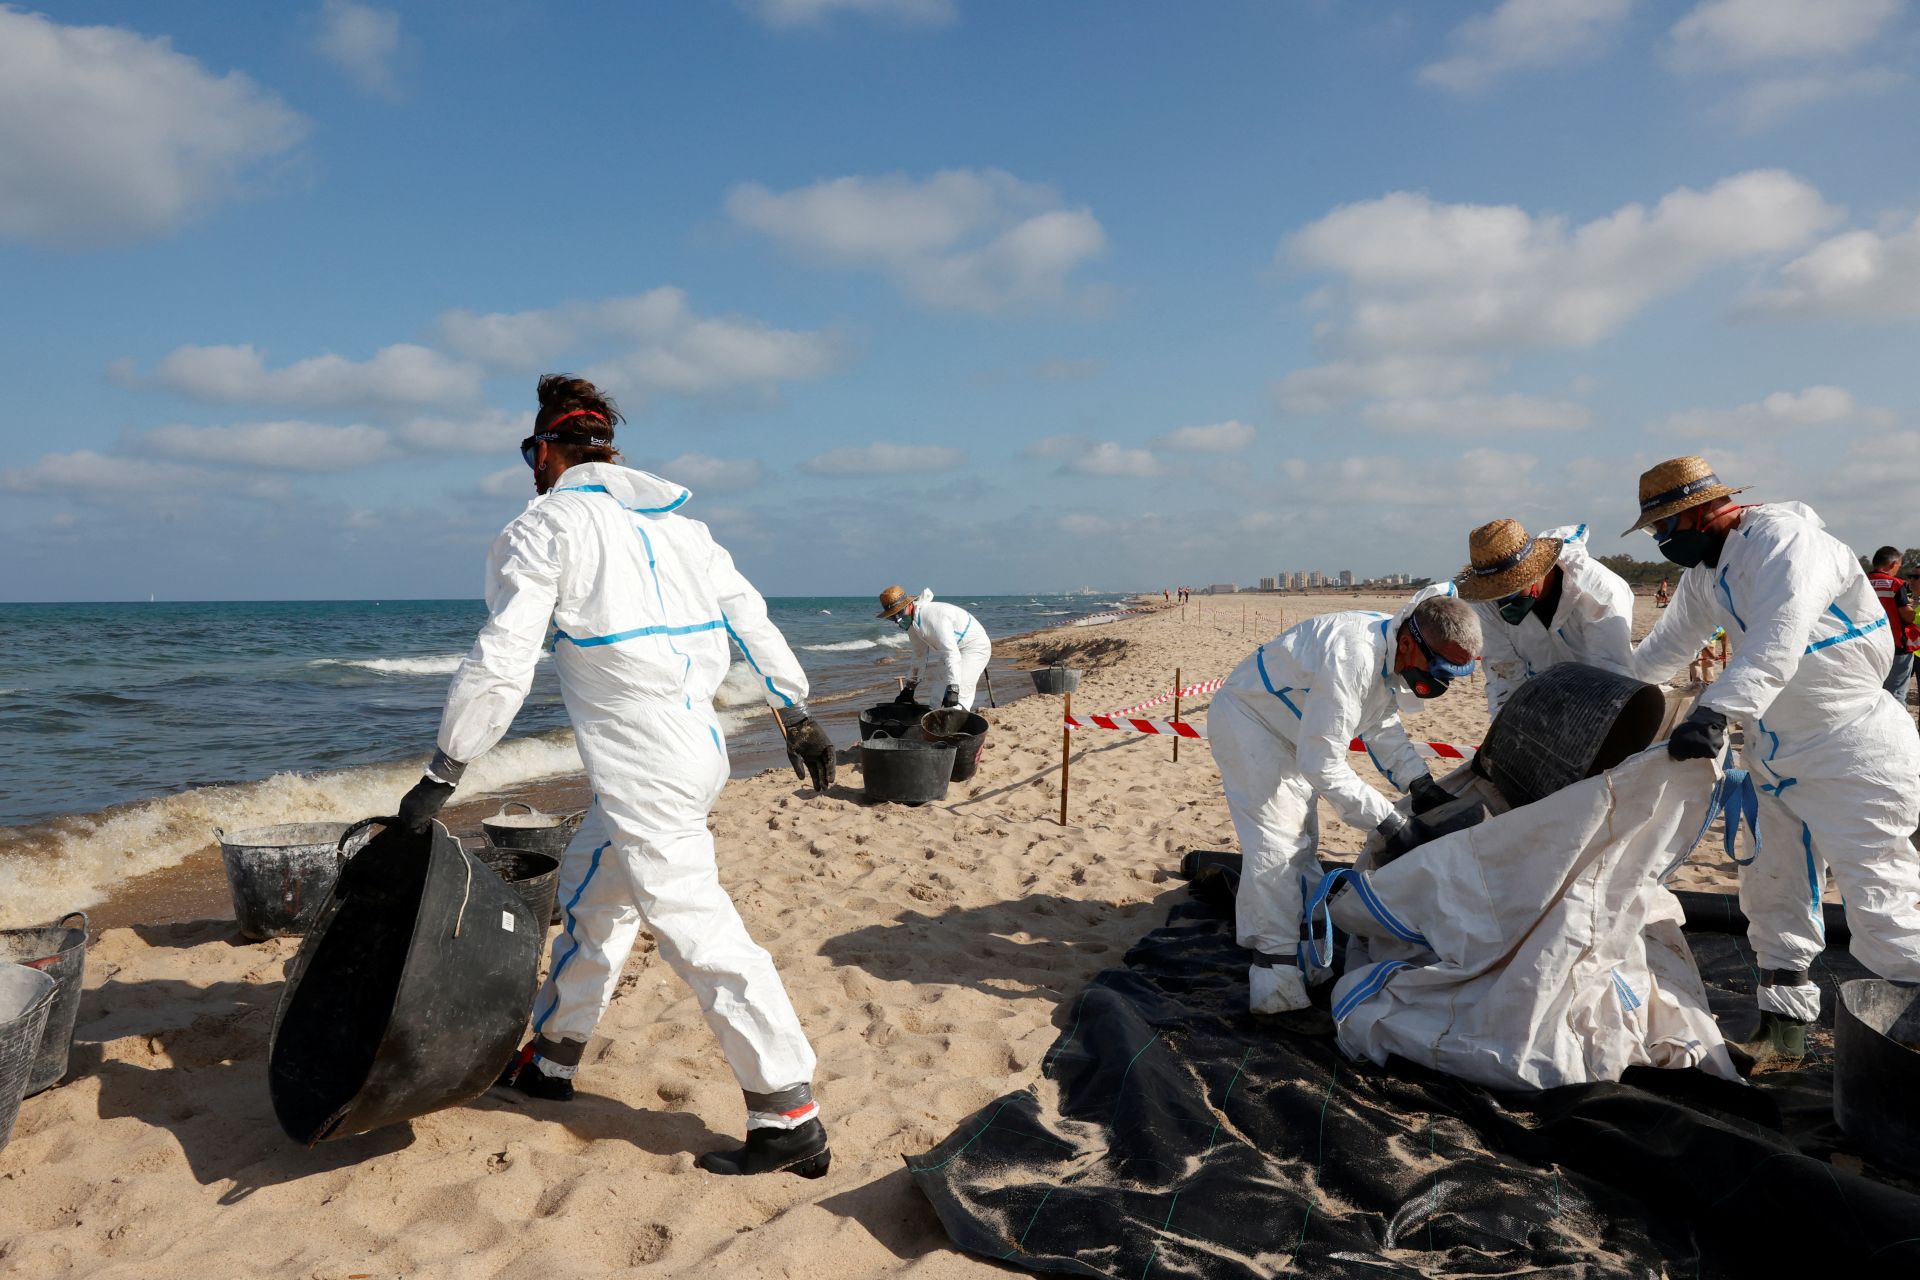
(280, 876)
(26, 997)
(962, 730)
(891, 719)
(533, 830)
(1056, 679)
(1876, 1070)
(60, 952)
(534, 876)
(1569, 722)
(904, 770)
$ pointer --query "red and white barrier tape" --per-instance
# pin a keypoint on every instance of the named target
(1191, 691)
(1439, 750)
(1182, 729)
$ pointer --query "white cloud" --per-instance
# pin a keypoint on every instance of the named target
(707, 475)
(1856, 273)
(807, 13)
(494, 431)
(1479, 479)
(1781, 411)
(87, 474)
(1062, 446)
(884, 459)
(107, 135)
(362, 41)
(1416, 276)
(1521, 35)
(1330, 387)
(965, 239)
(400, 376)
(1109, 460)
(1478, 414)
(1079, 524)
(647, 342)
(508, 482)
(1219, 437)
(1748, 32)
(1766, 101)
(282, 446)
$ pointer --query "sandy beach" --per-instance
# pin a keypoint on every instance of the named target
(930, 952)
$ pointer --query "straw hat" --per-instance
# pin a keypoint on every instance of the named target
(892, 601)
(1675, 485)
(1505, 560)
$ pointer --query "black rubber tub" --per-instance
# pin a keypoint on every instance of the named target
(892, 720)
(964, 731)
(1569, 722)
(905, 770)
(534, 876)
(1876, 1070)
(409, 993)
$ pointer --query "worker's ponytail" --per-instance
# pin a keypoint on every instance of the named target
(576, 408)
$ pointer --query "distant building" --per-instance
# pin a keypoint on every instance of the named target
(1222, 589)
(1346, 577)
(1316, 579)
(1269, 584)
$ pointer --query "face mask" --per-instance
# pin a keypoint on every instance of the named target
(1439, 673)
(903, 621)
(1426, 685)
(1514, 609)
(1689, 547)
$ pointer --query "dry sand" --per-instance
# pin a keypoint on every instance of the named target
(930, 953)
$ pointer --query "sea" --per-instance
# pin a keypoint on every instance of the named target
(131, 733)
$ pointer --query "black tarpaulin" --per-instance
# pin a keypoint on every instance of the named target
(1172, 1134)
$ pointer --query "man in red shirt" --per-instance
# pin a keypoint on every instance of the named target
(1898, 603)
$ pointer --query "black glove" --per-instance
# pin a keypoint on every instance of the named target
(909, 693)
(418, 808)
(810, 752)
(951, 698)
(1701, 736)
(1400, 834)
(1428, 794)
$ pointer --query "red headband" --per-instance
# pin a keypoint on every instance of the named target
(575, 414)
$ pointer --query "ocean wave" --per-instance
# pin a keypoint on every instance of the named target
(438, 664)
(70, 863)
(842, 646)
(742, 687)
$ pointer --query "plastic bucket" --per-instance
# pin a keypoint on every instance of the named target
(891, 720)
(1056, 679)
(1876, 1070)
(534, 831)
(1569, 722)
(60, 952)
(280, 876)
(26, 997)
(534, 876)
(408, 995)
(905, 770)
(964, 731)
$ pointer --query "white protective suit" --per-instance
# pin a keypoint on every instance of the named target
(1280, 730)
(643, 602)
(1539, 948)
(1836, 760)
(950, 647)
(1592, 624)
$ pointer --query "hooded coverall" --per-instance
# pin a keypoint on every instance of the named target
(643, 601)
(1280, 730)
(1836, 760)
(950, 644)
(1593, 623)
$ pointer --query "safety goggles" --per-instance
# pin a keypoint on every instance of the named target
(1439, 666)
(571, 437)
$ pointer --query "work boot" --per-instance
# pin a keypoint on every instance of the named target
(802, 1151)
(528, 1078)
(1778, 1039)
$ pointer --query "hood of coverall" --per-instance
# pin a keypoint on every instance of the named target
(640, 491)
(1403, 698)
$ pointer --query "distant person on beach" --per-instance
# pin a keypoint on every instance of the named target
(643, 601)
(1833, 759)
(1898, 602)
(948, 643)
(1280, 730)
(1543, 600)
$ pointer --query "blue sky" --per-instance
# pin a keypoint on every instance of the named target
(979, 295)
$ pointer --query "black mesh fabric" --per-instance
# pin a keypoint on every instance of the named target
(1172, 1134)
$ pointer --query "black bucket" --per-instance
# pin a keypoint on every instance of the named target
(905, 770)
(1569, 722)
(1056, 679)
(1876, 1070)
(280, 876)
(533, 830)
(60, 952)
(534, 876)
(26, 997)
(408, 995)
(891, 720)
(962, 730)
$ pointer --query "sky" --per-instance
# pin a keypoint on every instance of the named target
(980, 295)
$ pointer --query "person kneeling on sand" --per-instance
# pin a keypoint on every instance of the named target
(947, 640)
(643, 601)
(1280, 730)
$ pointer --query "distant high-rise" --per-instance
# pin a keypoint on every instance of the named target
(1269, 584)
(1222, 589)
(1346, 577)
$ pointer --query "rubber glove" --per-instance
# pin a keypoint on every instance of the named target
(1428, 794)
(951, 698)
(1701, 736)
(809, 751)
(420, 806)
(1399, 835)
(909, 693)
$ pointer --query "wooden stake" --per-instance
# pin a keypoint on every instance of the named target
(1176, 713)
(778, 723)
(1066, 755)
